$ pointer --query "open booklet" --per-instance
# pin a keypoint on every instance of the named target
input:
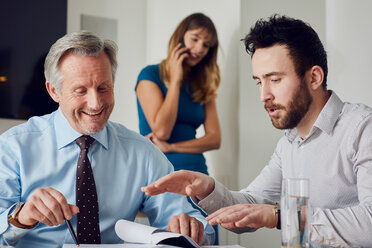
(137, 233)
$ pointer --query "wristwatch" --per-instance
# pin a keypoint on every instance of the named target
(277, 212)
(12, 217)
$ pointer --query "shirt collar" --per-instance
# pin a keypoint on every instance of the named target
(326, 119)
(65, 134)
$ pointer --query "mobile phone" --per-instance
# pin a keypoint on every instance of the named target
(183, 45)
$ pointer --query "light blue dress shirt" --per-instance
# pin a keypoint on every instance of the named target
(42, 152)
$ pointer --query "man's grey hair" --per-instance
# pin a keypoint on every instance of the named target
(81, 43)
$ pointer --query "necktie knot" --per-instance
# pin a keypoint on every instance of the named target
(84, 141)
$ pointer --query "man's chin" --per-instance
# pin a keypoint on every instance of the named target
(92, 129)
(278, 124)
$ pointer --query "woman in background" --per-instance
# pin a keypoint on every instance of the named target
(178, 95)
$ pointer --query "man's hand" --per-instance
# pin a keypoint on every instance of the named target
(182, 182)
(48, 206)
(244, 215)
(187, 225)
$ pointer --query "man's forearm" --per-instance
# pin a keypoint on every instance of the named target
(342, 227)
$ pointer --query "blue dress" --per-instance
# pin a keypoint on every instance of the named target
(189, 117)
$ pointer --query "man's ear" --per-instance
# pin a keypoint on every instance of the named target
(317, 77)
(52, 92)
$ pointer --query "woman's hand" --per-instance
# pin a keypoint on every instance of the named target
(176, 59)
(161, 144)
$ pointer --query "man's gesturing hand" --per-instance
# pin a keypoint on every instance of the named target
(182, 182)
(245, 215)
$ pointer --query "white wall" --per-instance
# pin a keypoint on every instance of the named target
(257, 135)
(349, 35)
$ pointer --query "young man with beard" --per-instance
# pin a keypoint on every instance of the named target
(326, 140)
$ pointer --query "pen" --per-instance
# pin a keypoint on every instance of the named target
(72, 232)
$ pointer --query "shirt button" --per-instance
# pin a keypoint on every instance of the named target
(211, 202)
(12, 233)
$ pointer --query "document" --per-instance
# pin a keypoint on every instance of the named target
(133, 232)
(136, 235)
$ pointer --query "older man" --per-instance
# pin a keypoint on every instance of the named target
(74, 164)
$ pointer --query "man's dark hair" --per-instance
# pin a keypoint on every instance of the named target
(302, 41)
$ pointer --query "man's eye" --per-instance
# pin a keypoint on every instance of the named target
(104, 88)
(258, 83)
(80, 91)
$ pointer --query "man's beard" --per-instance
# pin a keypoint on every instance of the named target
(296, 110)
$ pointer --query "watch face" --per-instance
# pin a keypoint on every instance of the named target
(17, 208)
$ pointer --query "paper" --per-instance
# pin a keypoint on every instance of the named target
(137, 235)
(133, 232)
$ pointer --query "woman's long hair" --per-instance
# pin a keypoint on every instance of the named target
(205, 76)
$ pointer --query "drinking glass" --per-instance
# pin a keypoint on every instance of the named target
(294, 207)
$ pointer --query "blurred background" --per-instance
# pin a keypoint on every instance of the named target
(142, 28)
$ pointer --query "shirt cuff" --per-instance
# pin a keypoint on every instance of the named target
(8, 231)
(209, 235)
(320, 232)
(208, 204)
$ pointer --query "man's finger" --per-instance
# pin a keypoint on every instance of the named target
(47, 215)
(184, 221)
(219, 212)
(64, 206)
(201, 233)
(228, 225)
(174, 225)
(74, 209)
(37, 215)
(229, 215)
(194, 230)
(54, 208)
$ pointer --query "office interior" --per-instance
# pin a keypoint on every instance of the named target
(142, 29)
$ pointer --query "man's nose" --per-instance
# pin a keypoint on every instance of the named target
(265, 93)
(93, 100)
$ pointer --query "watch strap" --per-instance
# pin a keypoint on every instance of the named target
(277, 212)
(12, 218)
